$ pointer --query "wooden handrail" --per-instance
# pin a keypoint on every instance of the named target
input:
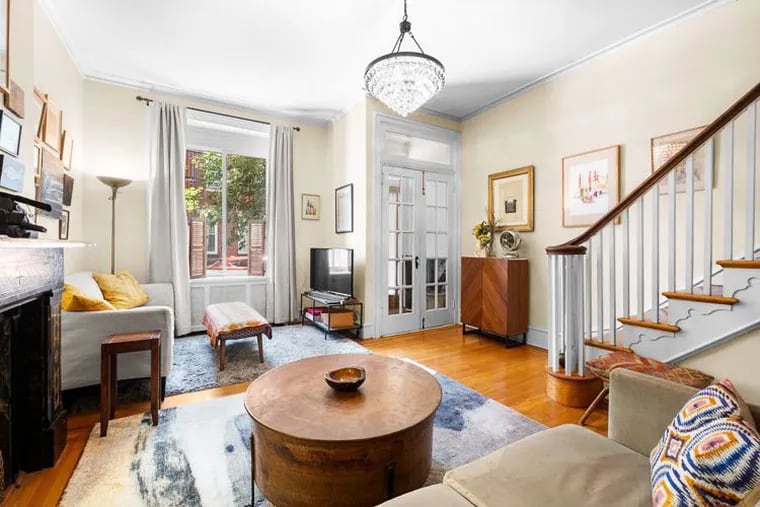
(571, 247)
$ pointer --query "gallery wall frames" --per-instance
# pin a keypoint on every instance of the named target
(510, 199)
(11, 173)
(10, 134)
(664, 147)
(310, 207)
(590, 185)
(50, 182)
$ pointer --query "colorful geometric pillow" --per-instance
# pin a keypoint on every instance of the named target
(709, 455)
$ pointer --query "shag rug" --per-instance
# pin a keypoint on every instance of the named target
(196, 365)
(199, 455)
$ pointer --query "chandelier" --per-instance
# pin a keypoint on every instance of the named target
(404, 80)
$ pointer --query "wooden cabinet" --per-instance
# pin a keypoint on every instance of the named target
(495, 295)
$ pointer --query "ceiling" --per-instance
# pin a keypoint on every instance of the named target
(305, 58)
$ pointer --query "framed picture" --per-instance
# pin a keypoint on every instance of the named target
(344, 208)
(68, 189)
(10, 134)
(14, 99)
(53, 122)
(11, 173)
(664, 147)
(50, 183)
(5, 43)
(310, 208)
(510, 199)
(67, 147)
(590, 185)
(63, 225)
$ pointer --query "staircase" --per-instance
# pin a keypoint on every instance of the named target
(672, 269)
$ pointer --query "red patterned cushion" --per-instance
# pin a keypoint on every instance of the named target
(603, 365)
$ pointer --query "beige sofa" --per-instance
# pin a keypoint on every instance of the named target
(570, 465)
(83, 332)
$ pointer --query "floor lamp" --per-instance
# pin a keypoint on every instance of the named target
(115, 184)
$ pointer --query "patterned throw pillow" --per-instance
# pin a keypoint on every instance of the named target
(709, 455)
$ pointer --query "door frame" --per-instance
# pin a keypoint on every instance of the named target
(385, 124)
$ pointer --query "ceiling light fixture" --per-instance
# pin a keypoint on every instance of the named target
(404, 80)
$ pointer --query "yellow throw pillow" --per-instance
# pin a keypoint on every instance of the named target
(121, 290)
(73, 300)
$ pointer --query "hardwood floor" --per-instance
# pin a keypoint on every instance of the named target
(514, 377)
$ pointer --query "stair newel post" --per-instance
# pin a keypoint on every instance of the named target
(566, 309)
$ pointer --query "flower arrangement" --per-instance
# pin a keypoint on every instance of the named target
(483, 232)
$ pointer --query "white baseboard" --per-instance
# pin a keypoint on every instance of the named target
(538, 337)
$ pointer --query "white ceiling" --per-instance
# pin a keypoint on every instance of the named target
(306, 58)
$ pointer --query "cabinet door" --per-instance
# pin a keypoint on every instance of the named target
(495, 295)
(472, 306)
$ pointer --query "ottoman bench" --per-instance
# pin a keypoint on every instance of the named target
(234, 321)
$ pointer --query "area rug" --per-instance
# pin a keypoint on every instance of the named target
(196, 365)
(199, 455)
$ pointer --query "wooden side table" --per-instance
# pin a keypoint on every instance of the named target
(109, 352)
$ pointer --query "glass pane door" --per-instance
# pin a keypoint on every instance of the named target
(401, 202)
(439, 287)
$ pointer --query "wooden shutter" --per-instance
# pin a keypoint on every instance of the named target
(256, 244)
(197, 235)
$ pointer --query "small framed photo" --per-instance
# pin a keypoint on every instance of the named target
(344, 209)
(590, 186)
(67, 147)
(510, 199)
(10, 134)
(310, 208)
(63, 225)
(68, 189)
(53, 124)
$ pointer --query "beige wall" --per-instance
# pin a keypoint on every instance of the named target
(680, 77)
(736, 360)
(39, 59)
(117, 144)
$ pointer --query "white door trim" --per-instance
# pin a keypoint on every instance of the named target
(383, 124)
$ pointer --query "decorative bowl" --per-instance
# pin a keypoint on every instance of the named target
(346, 379)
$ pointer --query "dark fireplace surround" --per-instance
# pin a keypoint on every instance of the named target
(32, 420)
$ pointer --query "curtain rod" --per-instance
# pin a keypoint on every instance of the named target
(148, 101)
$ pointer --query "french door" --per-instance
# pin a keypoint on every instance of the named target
(417, 245)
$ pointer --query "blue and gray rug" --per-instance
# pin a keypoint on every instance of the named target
(199, 454)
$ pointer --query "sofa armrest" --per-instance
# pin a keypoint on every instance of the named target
(641, 407)
(160, 294)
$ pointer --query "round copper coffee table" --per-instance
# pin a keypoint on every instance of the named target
(314, 446)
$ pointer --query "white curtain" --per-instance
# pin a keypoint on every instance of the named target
(281, 258)
(168, 258)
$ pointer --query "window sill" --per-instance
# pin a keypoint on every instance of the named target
(228, 279)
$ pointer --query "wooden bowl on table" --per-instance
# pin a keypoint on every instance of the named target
(346, 379)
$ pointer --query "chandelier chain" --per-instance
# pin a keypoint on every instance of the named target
(405, 16)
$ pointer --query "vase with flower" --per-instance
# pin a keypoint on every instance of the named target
(484, 236)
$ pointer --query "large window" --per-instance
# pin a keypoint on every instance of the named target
(225, 198)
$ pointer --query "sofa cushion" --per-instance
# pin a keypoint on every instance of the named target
(709, 454)
(121, 290)
(85, 283)
(432, 496)
(73, 300)
(562, 466)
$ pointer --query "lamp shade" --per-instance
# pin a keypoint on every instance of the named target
(114, 182)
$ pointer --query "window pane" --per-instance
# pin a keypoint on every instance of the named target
(393, 301)
(430, 297)
(203, 202)
(441, 270)
(430, 271)
(441, 296)
(246, 203)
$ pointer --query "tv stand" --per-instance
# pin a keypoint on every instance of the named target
(332, 312)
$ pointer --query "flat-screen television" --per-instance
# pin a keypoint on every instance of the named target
(332, 270)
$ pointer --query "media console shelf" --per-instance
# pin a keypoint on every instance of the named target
(331, 312)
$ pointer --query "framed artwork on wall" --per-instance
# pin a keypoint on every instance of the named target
(344, 208)
(50, 183)
(14, 99)
(664, 147)
(310, 208)
(68, 189)
(63, 225)
(10, 134)
(5, 43)
(510, 199)
(11, 173)
(67, 147)
(53, 122)
(590, 185)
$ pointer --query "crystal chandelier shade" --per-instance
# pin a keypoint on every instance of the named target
(404, 80)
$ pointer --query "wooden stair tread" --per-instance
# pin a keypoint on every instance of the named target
(606, 346)
(741, 263)
(650, 324)
(701, 298)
